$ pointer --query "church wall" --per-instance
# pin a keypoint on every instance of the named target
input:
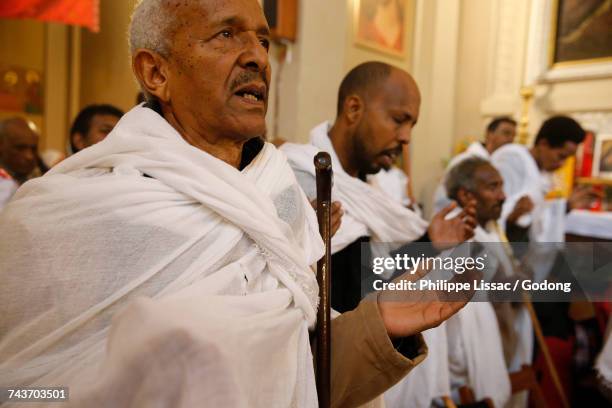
(106, 73)
(469, 57)
(43, 48)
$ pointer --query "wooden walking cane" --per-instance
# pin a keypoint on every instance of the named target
(322, 162)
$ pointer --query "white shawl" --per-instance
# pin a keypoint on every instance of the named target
(475, 352)
(491, 239)
(367, 211)
(392, 182)
(522, 177)
(546, 223)
(223, 254)
(427, 381)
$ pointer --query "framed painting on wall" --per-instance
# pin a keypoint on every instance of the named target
(382, 25)
(582, 32)
(569, 40)
(21, 90)
(602, 158)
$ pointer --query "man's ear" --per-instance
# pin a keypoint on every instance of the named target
(464, 196)
(353, 108)
(78, 140)
(542, 143)
(151, 69)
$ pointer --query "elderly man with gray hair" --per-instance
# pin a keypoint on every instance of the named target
(170, 264)
(509, 342)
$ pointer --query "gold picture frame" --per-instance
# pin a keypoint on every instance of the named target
(369, 32)
(565, 45)
(602, 157)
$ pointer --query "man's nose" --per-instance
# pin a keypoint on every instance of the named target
(404, 135)
(30, 155)
(255, 55)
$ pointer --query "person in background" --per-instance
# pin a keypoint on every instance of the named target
(500, 132)
(92, 125)
(18, 156)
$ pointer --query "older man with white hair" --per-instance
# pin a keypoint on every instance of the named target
(170, 264)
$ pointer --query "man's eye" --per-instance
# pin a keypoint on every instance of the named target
(226, 34)
(265, 43)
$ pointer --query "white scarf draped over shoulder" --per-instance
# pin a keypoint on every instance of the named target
(219, 258)
(367, 210)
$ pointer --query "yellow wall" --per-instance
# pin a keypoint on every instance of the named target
(106, 74)
(324, 52)
(44, 47)
(23, 45)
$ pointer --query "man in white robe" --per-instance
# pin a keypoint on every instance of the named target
(378, 105)
(170, 264)
(483, 348)
(501, 131)
(528, 171)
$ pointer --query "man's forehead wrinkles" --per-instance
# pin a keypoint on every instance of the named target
(236, 19)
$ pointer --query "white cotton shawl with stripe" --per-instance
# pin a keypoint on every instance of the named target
(367, 210)
(143, 270)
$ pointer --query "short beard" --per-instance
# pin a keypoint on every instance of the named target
(360, 156)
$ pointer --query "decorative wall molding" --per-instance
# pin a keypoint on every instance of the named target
(506, 54)
(598, 122)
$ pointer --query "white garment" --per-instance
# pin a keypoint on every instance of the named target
(522, 177)
(546, 223)
(428, 380)
(367, 211)
(490, 239)
(8, 187)
(475, 149)
(222, 255)
(589, 224)
(392, 182)
(475, 353)
(475, 348)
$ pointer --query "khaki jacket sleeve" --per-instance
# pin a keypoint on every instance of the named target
(364, 362)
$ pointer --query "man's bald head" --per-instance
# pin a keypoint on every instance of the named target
(378, 105)
(361, 80)
(18, 147)
(367, 78)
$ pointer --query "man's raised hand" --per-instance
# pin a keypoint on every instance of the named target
(445, 233)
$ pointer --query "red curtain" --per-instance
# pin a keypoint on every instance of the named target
(78, 12)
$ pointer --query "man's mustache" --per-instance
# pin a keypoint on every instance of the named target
(396, 151)
(246, 77)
